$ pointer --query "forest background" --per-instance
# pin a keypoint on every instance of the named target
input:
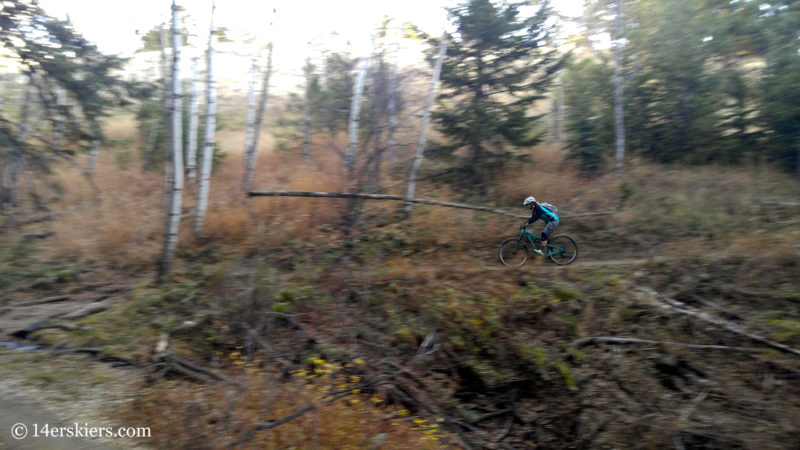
(667, 132)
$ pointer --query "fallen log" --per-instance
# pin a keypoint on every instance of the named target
(163, 363)
(43, 301)
(92, 308)
(728, 313)
(617, 340)
(44, 324)
(251, 433)
(400, 198)
(677, 306)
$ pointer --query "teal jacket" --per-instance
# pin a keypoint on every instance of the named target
(540, 212)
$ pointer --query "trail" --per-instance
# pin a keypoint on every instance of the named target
(617, 262)
(33, 384)
(22, 415)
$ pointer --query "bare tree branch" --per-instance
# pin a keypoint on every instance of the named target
(677, 306)
(403, 199)
(617, 340)
(250, 434)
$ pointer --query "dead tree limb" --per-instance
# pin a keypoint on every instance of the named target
(92, 308)
(728, 313)
(164, 364)
(506, 429)
(616, 340)
(72, 351)
(266, 426)
(457, 425)
(286, 419)
(43, 325)
(42, 301)
(677, 306)
(400, 198)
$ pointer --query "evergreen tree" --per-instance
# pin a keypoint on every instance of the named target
(497, 65)
(780, 86)
(74, 83)
(590, 124)
(675, 99)
(735, 42)
(710, 81)
(609, 16)
(328, 103)
(54, 57)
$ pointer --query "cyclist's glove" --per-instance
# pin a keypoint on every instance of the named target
(522, 227)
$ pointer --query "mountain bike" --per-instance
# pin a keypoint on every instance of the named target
(514, 251)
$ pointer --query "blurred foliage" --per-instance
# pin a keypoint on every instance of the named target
(152, 124)
(329, 101)
(71, 86)
(590, 138)
(704, 82)
(486, 94)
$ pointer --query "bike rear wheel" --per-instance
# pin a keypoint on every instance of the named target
(513, 252)
(562, 250)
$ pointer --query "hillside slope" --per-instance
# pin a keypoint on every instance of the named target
(280, 329)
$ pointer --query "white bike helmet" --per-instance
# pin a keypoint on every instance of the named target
(528, 201)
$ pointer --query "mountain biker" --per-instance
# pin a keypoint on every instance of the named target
(540, 212)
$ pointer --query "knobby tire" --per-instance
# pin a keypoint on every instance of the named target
(513, 252)
(568, 255)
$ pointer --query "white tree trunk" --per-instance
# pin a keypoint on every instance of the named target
(307, 115)
(619, 119)
(208, 144)
(262, 107)
(323, 72)
(176, 149)
(194, 120)
(412, 177)
(355, 111)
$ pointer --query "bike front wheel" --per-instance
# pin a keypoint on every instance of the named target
(513, 252)
(562, 250)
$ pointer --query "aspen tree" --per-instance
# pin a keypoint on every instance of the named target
(250, 158)
(355, 111)
(176, 151)
(211, 123)
(412, 177)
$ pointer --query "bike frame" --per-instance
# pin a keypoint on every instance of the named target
(553, 249)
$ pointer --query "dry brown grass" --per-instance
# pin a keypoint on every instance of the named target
(220, 416)
(548, 179)
(127, 226)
